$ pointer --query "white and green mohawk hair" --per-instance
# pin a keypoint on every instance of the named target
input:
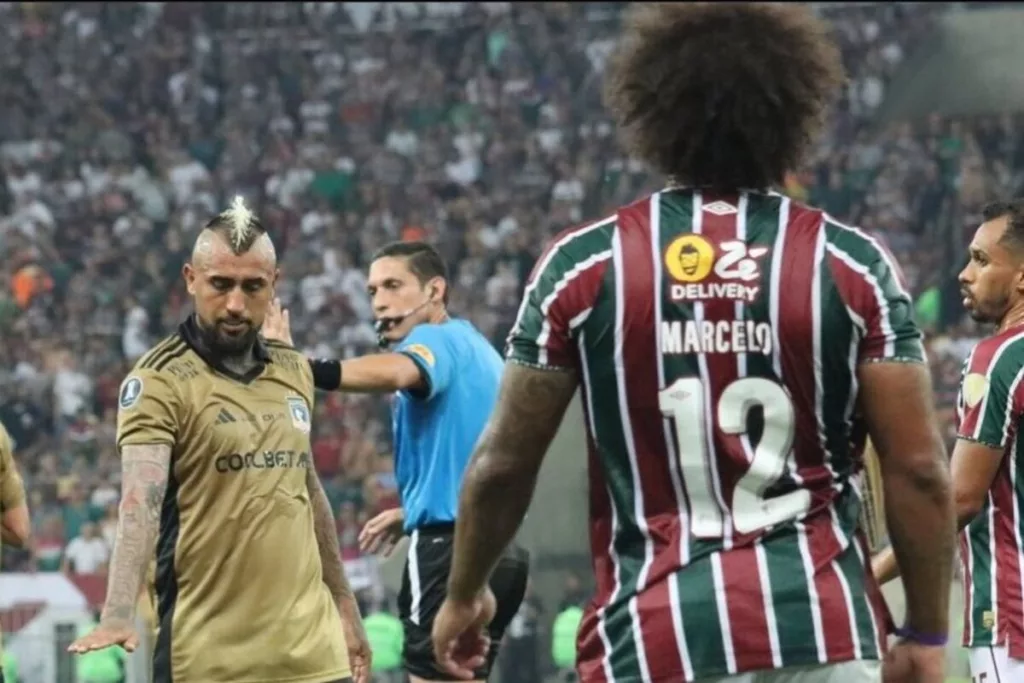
(239, 224)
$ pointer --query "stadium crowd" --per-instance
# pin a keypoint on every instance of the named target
(124, 126)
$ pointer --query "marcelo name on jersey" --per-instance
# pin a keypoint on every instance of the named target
(702, 270)
(723, 336)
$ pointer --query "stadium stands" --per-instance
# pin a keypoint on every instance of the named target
(124, 126)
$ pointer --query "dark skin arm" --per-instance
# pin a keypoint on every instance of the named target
(897, 402)
(144, 473)
(974, 468)
(502, 473)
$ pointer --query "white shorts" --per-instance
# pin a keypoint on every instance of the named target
(860, 671)
(994, 665)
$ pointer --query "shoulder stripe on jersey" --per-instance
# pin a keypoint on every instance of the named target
(883, 252)
(145, 359)
(545, 259)
(172, 355)
(1003, 346)
(861, 270)
(168, 346)
(880, 300)
(560, 286)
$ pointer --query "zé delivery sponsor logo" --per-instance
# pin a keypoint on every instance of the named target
(702, 270)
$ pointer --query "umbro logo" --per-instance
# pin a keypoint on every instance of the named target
(720, 208)
(224, 417)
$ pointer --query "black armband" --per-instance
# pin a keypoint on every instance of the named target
(326, 374)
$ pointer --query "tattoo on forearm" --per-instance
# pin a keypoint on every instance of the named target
(327, 539)
(144, 473)
(501, 476)
(530, 407)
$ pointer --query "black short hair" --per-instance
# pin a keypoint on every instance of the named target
(1013, 209)
(424, 260)
(722, 95)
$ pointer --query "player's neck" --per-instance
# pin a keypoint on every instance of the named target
(240, 363)
(439, 316)
(1013, 317)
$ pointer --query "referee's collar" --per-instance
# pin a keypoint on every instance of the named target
(193, 336)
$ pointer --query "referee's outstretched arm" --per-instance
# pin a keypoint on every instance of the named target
(380, 372)
(376, 373)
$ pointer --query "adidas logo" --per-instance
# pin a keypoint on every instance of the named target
(720, 208)
(224, 417)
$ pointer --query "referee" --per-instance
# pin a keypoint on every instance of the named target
(445, 375)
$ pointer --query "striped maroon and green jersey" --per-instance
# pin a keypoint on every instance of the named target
(990, 407)
(717, 339)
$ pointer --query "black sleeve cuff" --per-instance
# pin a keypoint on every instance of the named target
(326, 374)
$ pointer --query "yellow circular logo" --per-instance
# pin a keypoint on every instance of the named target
(689, 258)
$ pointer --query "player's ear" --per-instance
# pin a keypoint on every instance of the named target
(437, 289)
(273, 282)
(189, 273)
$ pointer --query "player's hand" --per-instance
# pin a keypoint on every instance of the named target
(382, 533)
(104, 636)
(461, 641)
(277, 325)
(359, 654)
(909, 662)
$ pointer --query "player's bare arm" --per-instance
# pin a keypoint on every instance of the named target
(896, 399)
(974, 468)
(327, 541)
(145, 469)
(337, 583)
(502, 473)
(144, 473)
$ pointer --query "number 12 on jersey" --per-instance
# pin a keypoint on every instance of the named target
(685, 404)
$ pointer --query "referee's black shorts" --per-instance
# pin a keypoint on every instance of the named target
(424, 587)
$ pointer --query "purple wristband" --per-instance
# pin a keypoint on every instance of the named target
(907, 633)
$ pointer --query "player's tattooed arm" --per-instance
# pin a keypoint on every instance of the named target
(144, 473)
(327, 540)
(502, 474)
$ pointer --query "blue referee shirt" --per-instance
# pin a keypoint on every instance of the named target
(435, 430)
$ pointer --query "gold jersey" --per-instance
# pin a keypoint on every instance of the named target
(240, 596)
(12, 490)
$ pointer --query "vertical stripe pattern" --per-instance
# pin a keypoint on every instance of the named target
(415, 586)
(989, 409)
(676, 600)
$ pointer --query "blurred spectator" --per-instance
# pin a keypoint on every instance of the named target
(87, 553)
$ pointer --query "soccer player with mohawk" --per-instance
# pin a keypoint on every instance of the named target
(218, 486)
